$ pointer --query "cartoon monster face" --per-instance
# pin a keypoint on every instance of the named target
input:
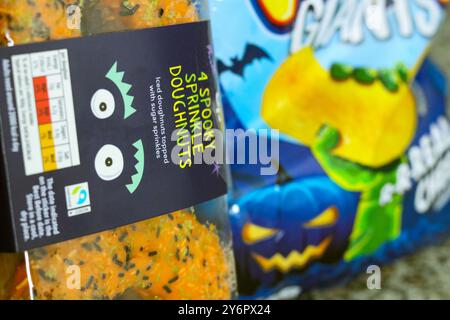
(280, 230)
(109, 160)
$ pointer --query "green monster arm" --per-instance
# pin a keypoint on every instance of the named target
(374, 224)
(349, 175)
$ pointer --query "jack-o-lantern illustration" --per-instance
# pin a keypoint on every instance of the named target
(282, 229)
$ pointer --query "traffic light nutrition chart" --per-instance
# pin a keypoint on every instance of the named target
(45, 110)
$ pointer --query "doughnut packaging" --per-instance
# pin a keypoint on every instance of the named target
(92, 194)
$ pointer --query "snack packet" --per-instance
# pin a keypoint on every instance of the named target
(185, 254)
(363, 150)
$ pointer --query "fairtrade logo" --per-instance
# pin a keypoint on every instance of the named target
(81, 194)
(78, 199)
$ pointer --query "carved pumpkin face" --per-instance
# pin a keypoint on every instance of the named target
(281, 230)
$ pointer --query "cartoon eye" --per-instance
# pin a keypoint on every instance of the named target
(251, 233)
(103, 104)
(109, 162)
(326, 219)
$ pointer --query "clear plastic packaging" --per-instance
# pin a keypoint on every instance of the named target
(8, 264)
(183, 255)
(13, 280)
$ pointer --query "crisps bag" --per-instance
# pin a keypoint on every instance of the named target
(96, 95)
(363, 148)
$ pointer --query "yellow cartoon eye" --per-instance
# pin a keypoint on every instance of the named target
(325, 219)
(279, 12)
(252, 233)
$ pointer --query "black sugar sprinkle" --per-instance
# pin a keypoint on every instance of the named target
(97, 247)
(89, 282)
(152, 253)
(44, 276)
(38, 254)
(123, 236)
(127, 10)
(117, 261)
(167, 289)
(173, 279)
(128, 254)
(158, 232)
(86, 246)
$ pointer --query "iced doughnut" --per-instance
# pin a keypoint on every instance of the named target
(169, 257)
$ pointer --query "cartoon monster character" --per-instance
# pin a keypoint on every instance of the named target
(121, 154)
(109, 160)
(358, 124)
(279, 230)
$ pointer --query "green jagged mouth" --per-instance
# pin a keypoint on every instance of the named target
(137, 178)
(117, 78)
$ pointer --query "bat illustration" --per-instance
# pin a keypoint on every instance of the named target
(252, 53)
